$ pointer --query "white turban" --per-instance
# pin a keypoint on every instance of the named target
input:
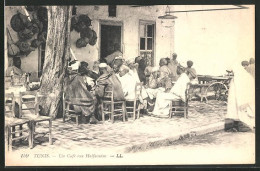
(102, 65)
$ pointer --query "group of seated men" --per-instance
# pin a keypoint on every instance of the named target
(160, 85)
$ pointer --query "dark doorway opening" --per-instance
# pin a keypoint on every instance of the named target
(110, 35)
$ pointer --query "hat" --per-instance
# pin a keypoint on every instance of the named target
(13, 50)
(17, 23)
(24, 47)
(25, 20)
(80, 26)
(189, 63)
(85, 19)
(102, 65)
(86, 32)
(81, 43)
(34, 28)
(36, 43)
(93, 41)
(25, 34)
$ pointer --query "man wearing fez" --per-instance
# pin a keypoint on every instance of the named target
(76, 89)
(173, 64)
(117, 52)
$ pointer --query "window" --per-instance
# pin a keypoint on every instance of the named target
(112, 10)
(146, 33)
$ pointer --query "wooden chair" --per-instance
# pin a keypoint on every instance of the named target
(10, 103)
(179, 106)
(112, 106)
(32, 97)
(136, 102)
(14, 128)
(67, 103)
(17, 129)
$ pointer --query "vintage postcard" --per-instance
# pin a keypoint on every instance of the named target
(91, 85)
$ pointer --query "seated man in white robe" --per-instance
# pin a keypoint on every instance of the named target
(163, 99)
(128, 86)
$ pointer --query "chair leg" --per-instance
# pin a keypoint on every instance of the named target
(102, 112)
(134, 110)
(10, 146)
(77, 120)
(185, 114)
(170, 110)
(21, 133)
(13, 130)
(30, 140)
(124, 110)
(6, 139)
(32, 127)
(50, 132)
(63, 114)
(112, 112)
(138, 111)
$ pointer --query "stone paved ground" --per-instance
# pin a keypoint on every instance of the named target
(69, 136)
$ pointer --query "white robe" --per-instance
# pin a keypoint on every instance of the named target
(162, 103)
(128, 82)
(241, 97)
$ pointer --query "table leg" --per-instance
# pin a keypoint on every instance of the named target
(10, 139)
(50, 133)
(21, 133)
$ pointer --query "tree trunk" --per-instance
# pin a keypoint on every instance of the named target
(56, 57)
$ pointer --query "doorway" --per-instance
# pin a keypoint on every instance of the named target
(110, 34)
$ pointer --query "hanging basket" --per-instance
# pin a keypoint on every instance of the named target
(85, 19)
(81, 43)
(36, 43)
(86, 33)
(12, 48)
(25, 34)
(17, 23)
(93, 41)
